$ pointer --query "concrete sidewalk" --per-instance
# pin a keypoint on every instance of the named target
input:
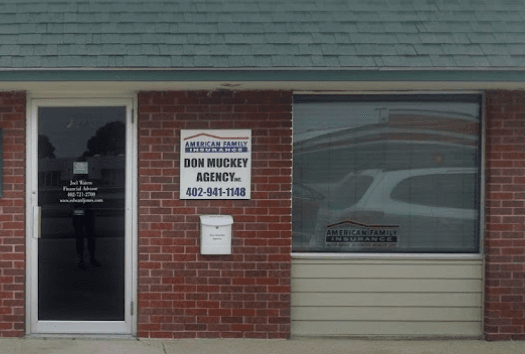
(255, 346)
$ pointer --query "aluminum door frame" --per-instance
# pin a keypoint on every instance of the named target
(129, 325)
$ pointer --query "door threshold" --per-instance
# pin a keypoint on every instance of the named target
(73, 336)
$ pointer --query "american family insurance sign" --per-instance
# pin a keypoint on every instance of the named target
(215, 164)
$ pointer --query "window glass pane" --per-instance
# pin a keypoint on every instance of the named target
(386, 174)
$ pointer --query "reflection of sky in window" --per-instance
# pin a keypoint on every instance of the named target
(322, 117)
(70, 128)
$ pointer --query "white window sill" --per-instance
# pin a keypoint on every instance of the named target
(413, 256)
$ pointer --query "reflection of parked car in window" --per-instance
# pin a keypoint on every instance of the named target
(435, 208)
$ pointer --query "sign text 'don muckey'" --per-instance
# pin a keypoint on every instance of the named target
(215, 164)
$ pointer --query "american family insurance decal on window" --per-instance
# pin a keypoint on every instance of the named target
(215, 164)
(354, 234)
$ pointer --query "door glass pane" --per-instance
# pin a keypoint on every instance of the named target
(81, 192)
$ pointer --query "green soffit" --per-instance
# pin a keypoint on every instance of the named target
(262, 75)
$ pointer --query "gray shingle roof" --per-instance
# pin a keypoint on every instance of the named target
(262, 33)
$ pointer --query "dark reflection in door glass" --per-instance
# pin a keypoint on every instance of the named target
(81, 192)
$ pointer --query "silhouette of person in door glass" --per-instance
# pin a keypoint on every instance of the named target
(84, 224)
(109, 140)
(83, 216)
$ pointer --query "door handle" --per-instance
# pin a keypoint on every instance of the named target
(37, 222)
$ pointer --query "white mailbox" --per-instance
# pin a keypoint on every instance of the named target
(216, 234)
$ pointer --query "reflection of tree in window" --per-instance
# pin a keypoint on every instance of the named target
(46, 150)
(108, 140)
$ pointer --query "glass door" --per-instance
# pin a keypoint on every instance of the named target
(80, 218)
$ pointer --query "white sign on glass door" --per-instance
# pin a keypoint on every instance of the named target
(215, 164)
(80, 168)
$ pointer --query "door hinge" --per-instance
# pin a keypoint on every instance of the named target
(131, 307)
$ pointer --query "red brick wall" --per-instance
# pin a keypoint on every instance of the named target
(12, 214)
(505, 216)
(183, 294)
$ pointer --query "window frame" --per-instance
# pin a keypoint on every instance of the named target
(477, 97)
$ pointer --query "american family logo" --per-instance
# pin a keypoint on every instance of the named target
(349, 232)
(222, 145)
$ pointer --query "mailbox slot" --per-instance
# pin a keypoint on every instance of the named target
(216, 234)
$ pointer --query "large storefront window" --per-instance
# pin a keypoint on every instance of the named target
(386, 173)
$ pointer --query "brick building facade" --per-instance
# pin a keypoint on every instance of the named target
(183, 294)
(504, 244)
(128, 76)
(13, 257)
